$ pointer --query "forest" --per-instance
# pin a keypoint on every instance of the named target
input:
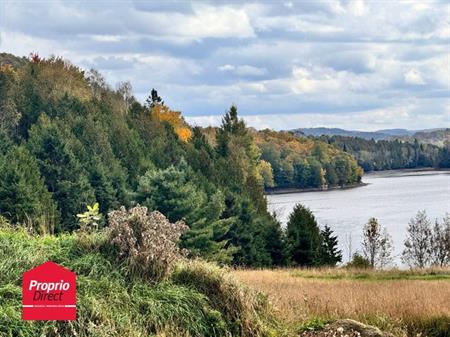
(375, 155)
(69, 141)
(304, 162)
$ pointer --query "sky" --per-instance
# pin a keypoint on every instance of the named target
(363, 65)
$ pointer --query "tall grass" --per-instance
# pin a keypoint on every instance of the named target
(110, 303)
(392, 300)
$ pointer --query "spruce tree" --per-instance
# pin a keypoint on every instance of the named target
(330, 254)
(304, 237)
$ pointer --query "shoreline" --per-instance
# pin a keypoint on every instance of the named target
(410, 170)
(289, 190)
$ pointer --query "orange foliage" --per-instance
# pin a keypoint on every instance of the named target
(164, 114)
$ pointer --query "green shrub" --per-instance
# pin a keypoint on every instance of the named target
(359, 262)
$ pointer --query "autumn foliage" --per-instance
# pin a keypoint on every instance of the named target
(164, 114)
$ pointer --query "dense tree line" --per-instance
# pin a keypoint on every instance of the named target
(392, 154)
(301, 162)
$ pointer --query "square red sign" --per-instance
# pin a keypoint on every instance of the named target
(49, 293)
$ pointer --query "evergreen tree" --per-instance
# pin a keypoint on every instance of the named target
(172, 193)
(206, 236)
(330, 254)
(23, 195)
(304, 237)
(231, 125)
(62, 172)
(154, 99)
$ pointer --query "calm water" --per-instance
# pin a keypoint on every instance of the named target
(392, 197)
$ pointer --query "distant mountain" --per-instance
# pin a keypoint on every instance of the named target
(396, 132)
(436, 137)
(377, 135)
(433, 136)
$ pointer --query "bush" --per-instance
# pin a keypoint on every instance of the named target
(359, 261)
(147, 242)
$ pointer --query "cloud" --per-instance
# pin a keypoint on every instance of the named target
(244, 70)
(285, 64)
(414, 77)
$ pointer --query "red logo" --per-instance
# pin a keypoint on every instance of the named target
(49, 293)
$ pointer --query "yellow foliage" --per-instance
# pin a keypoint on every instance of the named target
(165, 114)
(184, 133)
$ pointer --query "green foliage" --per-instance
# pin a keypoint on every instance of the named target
(359, 261)
(392, 154)
(9, 115)
(314, 324)
(23, 195)
(303, 163)
(329, 254)
(304, 237)
(238, 304)
(61, 170)
(89, 219)
(171, 192)
(437, 326)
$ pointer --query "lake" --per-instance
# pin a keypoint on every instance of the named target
(393, 197)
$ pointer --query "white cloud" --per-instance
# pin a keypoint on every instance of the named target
(244, 70)
(369, 120)
(357, 7)
(413, 77)
(294, 23)
(205, 22)
(106, 38)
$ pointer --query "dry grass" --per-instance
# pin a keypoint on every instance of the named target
(395, 296)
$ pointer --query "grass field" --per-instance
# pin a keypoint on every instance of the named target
(393, 300)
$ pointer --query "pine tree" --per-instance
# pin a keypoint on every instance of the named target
(304, 238)
(231, 125)
(172, 193)
(153, 99)
(206, 236)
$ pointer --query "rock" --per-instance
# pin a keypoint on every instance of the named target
(347, 328)
(364, 330)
